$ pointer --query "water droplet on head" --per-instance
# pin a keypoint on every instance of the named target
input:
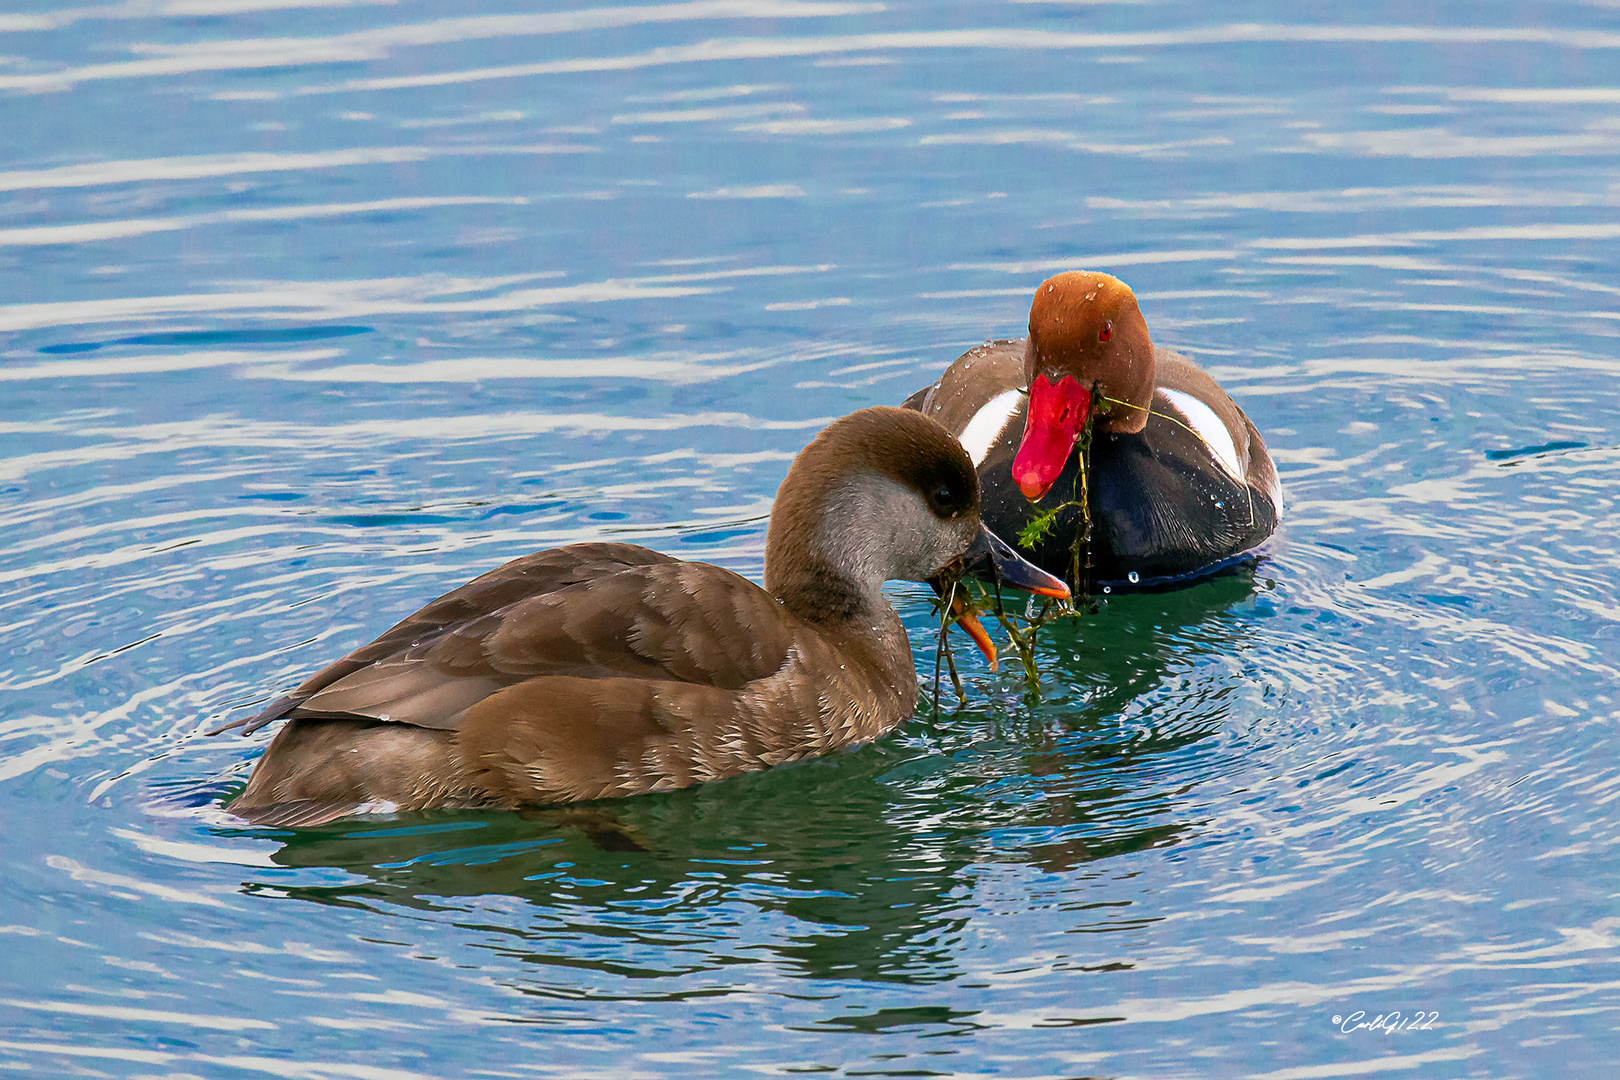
(1134, 577)
(1220, 505)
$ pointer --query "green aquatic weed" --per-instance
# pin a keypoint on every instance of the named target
(1038, 528)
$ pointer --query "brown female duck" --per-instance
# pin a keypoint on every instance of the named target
(1178, 479)
(602, 670)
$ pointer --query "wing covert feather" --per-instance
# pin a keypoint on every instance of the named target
(687, 622)
(453, 624)
(602, 612)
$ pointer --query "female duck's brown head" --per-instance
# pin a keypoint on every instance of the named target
(1088, 345)
(883, 493)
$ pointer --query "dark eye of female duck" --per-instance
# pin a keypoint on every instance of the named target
(947, 496)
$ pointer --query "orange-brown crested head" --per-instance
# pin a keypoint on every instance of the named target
(1088, 357)
(1085, 325)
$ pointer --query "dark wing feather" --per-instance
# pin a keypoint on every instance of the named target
(658, 698)
(708, 626)
(688, 622)
(655, 619)
(972, 380)
(918, 401)
(431, 633)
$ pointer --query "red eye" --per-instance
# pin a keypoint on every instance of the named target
(1107, 332)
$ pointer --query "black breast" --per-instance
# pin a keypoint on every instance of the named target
(1161, 507)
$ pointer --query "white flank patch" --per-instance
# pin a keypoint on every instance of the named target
(1202, 419)
(988, 424)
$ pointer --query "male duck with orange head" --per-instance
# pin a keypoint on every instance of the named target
(1177, 480)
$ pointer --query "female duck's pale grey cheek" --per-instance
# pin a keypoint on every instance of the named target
(967, 532)
(913, 543)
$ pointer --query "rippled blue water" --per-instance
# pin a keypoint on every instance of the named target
(312, 309)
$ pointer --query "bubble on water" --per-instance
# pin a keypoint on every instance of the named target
(1134, 576)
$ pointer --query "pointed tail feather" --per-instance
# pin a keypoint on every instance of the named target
(267, 715)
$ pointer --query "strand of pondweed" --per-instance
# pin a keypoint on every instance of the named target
(946, 601)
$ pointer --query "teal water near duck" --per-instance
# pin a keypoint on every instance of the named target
(313, 312)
